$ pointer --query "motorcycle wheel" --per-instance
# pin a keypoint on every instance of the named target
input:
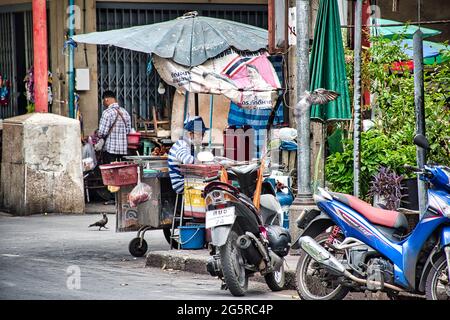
(313, 281)
(276, 280)
(233, 268)
(437, 286)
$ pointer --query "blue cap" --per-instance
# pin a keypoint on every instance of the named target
(195, 125)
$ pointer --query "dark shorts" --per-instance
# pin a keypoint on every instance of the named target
(110, 157)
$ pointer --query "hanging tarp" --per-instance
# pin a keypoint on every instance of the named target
(327, 64)
(250, 81)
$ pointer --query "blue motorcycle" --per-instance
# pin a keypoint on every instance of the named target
(348, 245)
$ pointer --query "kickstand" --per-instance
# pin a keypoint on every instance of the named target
(223, 286)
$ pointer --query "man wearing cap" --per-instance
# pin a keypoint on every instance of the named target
(182, 152)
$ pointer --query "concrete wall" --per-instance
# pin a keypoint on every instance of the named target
(40, 173)
(88, 99)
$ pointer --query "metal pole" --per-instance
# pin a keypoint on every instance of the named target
(357, 100)
(211, 108)
(71, 61)
(304, 195)
(420, 112)
(40, 55)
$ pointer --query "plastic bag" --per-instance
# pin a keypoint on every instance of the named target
(288, 134)
(141, 193)
(88, 164)
(88, 152)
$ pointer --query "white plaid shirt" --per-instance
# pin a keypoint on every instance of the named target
(116, 142)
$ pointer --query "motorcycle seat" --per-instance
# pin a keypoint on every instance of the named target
(387, 218)
(245, 169)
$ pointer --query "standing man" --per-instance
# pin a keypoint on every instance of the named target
(115, 124)
(182, 152)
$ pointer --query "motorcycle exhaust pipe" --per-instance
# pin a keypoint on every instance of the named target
(322, 256)
(250, 252)
(275, 260)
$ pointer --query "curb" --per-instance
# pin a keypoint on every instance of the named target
(182, 261)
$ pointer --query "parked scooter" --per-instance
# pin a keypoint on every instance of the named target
(246, 234)
(367, 248)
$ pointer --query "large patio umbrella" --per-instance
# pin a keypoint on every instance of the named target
(432, 51)
(391, 31)
(189, 40)
(327, 64)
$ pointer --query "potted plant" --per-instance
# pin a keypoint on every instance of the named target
(386, 189)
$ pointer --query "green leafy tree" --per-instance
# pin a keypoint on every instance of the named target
(389, 144)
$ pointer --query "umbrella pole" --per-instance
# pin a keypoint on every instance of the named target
(186, 104)
(211, 106)
(197, 112)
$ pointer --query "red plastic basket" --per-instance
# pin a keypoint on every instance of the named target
(119, 174)
(134, 138)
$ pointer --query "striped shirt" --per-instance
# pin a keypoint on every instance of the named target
(180, 153)
(116, 142)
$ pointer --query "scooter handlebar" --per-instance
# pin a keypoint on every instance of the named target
(411, 168)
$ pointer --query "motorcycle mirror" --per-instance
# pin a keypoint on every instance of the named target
(205, 156)
(421, 141)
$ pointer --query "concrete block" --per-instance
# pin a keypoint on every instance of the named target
(41, 165)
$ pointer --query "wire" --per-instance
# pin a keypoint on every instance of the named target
(418, 13)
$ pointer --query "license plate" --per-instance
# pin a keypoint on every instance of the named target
(220, 217)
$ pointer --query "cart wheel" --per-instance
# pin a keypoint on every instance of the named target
(135, 249)
(167, 234)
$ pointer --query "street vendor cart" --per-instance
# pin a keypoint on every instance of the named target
(156, 212)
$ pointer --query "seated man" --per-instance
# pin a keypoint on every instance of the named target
(182, 151)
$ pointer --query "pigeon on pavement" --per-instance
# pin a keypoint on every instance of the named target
(101, 223)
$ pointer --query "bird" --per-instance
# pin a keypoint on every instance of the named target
(101, 223)
(318, 96)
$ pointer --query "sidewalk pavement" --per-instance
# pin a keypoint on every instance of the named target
(195, 261)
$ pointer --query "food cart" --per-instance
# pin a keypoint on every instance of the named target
(191, 62)
(154, 214)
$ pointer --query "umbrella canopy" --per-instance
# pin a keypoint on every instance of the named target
(189, 40)
(404, 29)
(327, 64)
(432, 51)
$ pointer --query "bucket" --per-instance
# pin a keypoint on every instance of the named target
(192, 237)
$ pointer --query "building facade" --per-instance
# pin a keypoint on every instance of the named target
(123, 70)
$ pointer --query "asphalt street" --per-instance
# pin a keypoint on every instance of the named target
(59, 257)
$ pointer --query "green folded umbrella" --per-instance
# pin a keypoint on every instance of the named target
(327, 64)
